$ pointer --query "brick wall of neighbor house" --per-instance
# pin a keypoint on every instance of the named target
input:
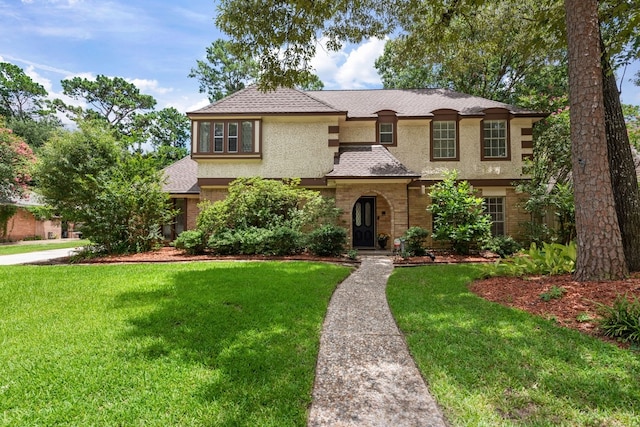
(24, 225)
(387, 194)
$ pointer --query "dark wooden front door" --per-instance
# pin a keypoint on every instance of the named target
(363, 220)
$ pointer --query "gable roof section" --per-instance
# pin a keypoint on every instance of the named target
(181, 177)
(368, 161)
(410, 102)
(280, 101)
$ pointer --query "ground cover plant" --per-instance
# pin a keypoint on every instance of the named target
(487, 364)
(35, 247)
(163, 344)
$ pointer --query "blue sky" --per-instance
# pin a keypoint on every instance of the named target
(154, 44)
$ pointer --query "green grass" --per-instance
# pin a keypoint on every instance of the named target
(198, 344)
(489, 365)
(35, 247)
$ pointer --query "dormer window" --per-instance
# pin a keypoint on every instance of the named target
(386, 127)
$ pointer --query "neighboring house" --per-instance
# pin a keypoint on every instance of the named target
(376, 152)
(181, 183)
(24, 225)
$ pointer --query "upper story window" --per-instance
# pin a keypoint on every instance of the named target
(495, 135)
(222, 137)
(444, 136)
(386, 127)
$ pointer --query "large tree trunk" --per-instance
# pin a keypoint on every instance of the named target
(623, 172)
(600, 252)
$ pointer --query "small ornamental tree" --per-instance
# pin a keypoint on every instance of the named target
(458, 215)
(16, 161)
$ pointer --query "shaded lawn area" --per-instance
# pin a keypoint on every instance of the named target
(164, 344)
(35, 247)
(487, 364)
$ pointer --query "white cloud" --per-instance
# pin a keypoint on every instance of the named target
(146, 86)
(352, 67)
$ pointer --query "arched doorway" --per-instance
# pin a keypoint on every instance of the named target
(363, 220)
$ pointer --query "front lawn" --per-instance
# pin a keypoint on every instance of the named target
(487, 364)
(164, 344)
(24, 248)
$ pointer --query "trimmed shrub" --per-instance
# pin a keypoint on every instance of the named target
(190, 241)
(328, 240)
(257, 241)
(284, 241)
(502, 245)
(414, 239)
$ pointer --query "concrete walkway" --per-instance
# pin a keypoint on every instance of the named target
(365, 375)
(39, 256)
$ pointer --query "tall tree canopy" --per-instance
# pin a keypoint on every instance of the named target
(225, 72)
(20, 96)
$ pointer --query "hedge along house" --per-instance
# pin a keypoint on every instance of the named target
(376, 152)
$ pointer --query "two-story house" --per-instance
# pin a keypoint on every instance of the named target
(376, 152)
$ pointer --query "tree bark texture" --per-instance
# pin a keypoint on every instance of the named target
(624, 179)
(600, 252)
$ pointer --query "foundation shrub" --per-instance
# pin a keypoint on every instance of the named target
(328, 240)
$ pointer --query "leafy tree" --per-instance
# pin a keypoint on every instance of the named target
(16, 161)
(35, 132)
(90, 179)
(632, 119)
(225, 72)
(458, 215)
(113, 100)
(20, 96)
(496, 51)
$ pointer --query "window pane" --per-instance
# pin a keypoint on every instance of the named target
(247, 137)
(358, 218)
(218, 137)
(386, 133)
(444, 139)
(495, 138)
(494, 206)
(203, 137)
(367, 214)
(232, 137)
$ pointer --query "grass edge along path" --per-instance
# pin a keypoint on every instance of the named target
(487, 364)
(24, 248)
(191, 344)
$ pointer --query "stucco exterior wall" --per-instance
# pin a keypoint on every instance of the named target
(358, 131)
(291, 148)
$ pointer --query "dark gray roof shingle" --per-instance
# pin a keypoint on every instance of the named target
(368, 161)
(252, 101)
(408, 102)
(181, 177)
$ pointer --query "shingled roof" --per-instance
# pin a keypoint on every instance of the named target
(368, 161)
(281, 101)
(181, 177)
(410, 102)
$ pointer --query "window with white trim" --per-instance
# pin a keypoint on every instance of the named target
(386, 133)
(444, 139)
(495, 139)
(494, 206)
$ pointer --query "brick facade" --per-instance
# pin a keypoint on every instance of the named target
(24, 225)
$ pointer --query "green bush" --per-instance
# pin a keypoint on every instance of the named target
(190, 241)
(458, 215)
(414, 240)
(621, 320)
(501, 245)
(553, 258)
(256, 241)
(328, 240)
(284, 241)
